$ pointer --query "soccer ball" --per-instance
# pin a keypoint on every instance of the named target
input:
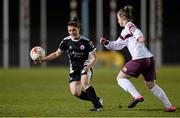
(37, 52)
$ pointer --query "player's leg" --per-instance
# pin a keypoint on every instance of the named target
(85, 81)
(150, 77)
(125, 83)
(76, 88)
(131, 69)
(161, 95)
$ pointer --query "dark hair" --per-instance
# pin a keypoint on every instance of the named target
(127, 11)
(74, 22)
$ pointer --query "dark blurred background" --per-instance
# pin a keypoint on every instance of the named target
(58, 14)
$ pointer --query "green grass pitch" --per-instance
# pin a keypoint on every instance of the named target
(44, 92)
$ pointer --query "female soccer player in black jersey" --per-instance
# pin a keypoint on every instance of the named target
(82, 57)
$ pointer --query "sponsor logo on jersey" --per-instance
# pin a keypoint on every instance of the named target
(70, 47)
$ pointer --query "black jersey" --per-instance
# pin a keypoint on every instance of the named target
(78, 51)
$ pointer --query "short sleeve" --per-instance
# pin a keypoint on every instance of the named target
(63, 45)
(91, 46)
(132, 29)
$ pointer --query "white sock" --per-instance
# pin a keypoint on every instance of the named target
(158, 92)
(128, 87)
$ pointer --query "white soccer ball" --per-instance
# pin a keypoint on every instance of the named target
(37, 53)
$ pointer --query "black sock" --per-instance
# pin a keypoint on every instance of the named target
(92, 96)
(84, 96)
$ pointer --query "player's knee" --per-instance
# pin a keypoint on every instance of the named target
(117, 78)
(121, 75)
(86, 86)
(150, 84)
(85, 83)
(75, 93)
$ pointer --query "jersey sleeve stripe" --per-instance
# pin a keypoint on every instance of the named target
(126, 36)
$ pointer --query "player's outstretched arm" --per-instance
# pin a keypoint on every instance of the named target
(113, 45)
(49, 57)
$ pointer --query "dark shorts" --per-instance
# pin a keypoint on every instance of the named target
(145, 66)
(76, 75)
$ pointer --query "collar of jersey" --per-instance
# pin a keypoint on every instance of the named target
(75, 39)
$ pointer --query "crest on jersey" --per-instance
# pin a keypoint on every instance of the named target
(91, 44)
(82, 47)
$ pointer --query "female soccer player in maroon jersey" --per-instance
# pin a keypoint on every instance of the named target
(142, 60)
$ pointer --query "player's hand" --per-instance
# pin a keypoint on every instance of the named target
(104, 41)
(86, 69)
(38, 61)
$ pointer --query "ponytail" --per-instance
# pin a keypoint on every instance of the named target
(127, 11)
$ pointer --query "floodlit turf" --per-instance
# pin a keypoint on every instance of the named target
(42, 92)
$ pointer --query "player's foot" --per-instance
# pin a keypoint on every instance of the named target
(135, 101)
(96, 109)
(99, 107)
(170, 109)
(101, 101)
